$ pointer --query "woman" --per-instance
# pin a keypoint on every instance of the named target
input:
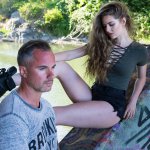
(112, 58)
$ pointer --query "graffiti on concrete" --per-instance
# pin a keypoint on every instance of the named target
(144, 133)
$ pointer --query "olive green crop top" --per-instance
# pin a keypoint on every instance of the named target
(119, 75)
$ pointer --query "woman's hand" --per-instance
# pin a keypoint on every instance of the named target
(139, 84)
(130, 110)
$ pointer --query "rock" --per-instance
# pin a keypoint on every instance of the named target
(8, 40)
(15, 14)
(14, 23)
(46, 37)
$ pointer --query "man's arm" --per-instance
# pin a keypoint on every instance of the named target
(13, 133)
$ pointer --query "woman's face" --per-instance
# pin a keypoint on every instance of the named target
(113, 27)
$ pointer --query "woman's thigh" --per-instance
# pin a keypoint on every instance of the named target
(75, 87)
(91, 114)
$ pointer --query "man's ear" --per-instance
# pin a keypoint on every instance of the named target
(23, 71)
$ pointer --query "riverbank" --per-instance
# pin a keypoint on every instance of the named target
(16, 29)
(20, 31)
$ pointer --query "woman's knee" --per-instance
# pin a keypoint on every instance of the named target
(61, 68)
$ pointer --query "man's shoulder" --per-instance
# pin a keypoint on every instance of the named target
(9, 104)
(6, 106)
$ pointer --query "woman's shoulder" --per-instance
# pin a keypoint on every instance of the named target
(138, 45)
(139, 48)
(141, 52)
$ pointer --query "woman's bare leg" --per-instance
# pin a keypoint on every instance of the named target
(91, 114)
(73, 84)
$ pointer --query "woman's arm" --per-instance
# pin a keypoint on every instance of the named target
(70, 54)
(139, 84)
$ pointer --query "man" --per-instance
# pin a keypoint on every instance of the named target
(26, 120)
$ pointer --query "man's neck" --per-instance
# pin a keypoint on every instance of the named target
(30, 96)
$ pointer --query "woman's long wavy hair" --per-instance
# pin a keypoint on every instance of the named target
(100, 45)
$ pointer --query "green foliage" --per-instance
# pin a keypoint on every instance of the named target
(143, 25)
(141, 17)
(53, 16)
(4, 31)
(63, 16)
(138, 5)
(1, 18)
(31, 11)
(9, 6)
(39, 23)
(50, 4)
(54, 22)
(81, 18)
(62, 6)
(82, 13)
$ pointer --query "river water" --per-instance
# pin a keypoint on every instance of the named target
(57, 96)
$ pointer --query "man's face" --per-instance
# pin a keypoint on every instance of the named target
(39, 73)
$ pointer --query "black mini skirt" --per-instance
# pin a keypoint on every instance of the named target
(113, 96)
